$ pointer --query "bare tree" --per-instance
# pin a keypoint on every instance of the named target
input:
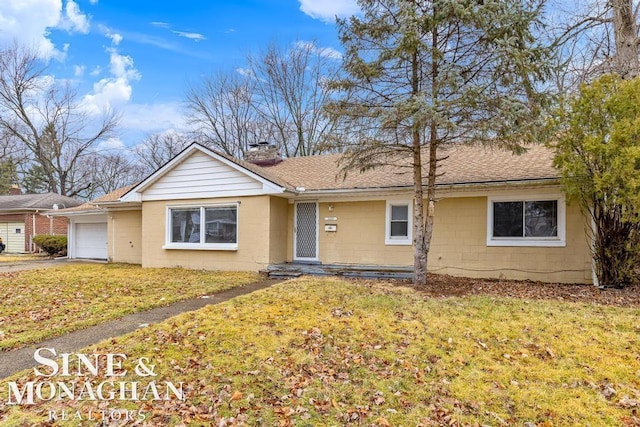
(625, 30)
(223, 116)
(280, 98)
(596, 37)
(157, 149)
(110, 171)
(291, 91)
(49, 120)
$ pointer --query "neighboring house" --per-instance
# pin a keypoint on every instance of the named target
(23, 216)
(497, 215)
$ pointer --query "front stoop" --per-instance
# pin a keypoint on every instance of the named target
(293, 269)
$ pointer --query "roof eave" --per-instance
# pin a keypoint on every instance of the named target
(117, 204)
(404, 188)
(62, 212)
(18, 210)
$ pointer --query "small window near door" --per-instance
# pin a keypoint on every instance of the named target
(18, 230)
(399, 223)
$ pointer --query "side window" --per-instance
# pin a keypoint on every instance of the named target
(399, 223)
(534, 222)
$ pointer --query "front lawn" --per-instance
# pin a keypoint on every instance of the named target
(39, 304)
(325, 352)
(7, 258)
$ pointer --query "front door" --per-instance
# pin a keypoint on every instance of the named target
(305, 243)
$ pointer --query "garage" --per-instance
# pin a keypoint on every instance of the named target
(90, 240)
(12, 234)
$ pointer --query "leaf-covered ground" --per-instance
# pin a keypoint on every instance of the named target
(447, 286)
(39, 304)
(328, 352)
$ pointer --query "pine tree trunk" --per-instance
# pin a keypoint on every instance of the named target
(419, 233)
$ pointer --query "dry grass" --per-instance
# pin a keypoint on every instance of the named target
(19, 258)
(330, 352)
(72, 297)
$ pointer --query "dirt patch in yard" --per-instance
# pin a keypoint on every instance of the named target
(443, 286)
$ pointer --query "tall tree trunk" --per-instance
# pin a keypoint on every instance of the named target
(419, 243)
(626, 62)
(420, 248)
(423, 225)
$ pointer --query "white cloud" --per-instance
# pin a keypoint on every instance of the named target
(193, 36)
(327, 10)
(28, 23)
(122, 66)
(74, 20)
(246, 72)
(78, 70)
(327, 52)
(116, 38)
(111, 144)
(152, 118)
(114, 91)
(160, 24)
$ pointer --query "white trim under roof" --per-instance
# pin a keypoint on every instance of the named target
(267, 187)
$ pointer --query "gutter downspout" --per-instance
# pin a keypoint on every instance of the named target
(33, 232)
(113, 239)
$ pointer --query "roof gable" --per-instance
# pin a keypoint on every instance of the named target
(201, 173)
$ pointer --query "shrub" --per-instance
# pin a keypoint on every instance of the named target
(52, 245)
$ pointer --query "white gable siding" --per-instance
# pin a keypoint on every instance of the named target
(201, 176)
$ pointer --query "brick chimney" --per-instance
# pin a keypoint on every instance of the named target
(263, 154)
(15, 190)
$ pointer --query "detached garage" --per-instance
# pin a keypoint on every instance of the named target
(12, 234)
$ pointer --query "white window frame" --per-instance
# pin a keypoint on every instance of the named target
(400, 241)
(201, 246)
(555, 241)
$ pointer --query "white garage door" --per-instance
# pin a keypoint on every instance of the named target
(91, 240)
(12, 234)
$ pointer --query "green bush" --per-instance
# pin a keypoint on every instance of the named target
(52, 245)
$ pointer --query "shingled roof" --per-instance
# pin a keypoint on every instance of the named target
(33, 202)
(462, 164)
(114, 196)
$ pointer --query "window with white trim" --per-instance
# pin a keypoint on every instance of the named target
(399, 223)
(526, 222)
(202, 227)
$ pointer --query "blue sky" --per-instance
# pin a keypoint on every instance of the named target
(140, 56)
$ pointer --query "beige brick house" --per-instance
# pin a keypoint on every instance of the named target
(497, 215)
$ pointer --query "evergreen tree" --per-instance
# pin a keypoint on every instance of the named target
(426, 74)
(8, 175)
